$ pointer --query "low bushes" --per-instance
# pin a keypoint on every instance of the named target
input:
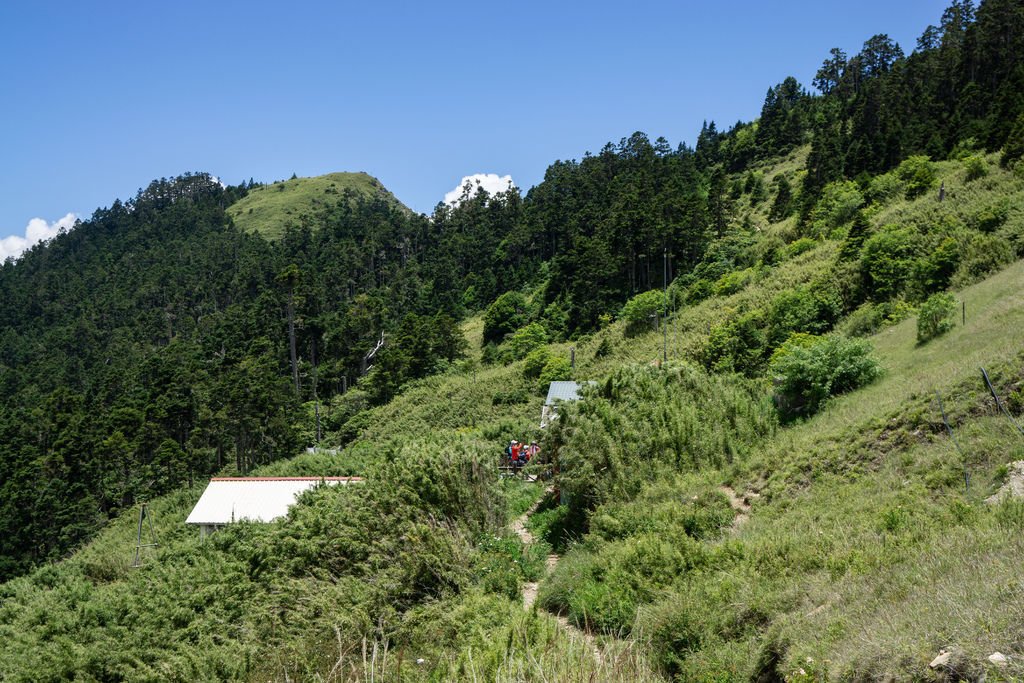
(744, 343)
(808, 370)
(937, 316)
(535, 362)
(887, 259)
(838, 205)
(601, 588)
(505, 315)
(974, 167)
(644, 421)
(526, 339)
(643, 310)
(918, 173)
(984, 255)
(870, 318)
(557, 368)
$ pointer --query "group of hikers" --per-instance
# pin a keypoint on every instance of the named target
(518, 454)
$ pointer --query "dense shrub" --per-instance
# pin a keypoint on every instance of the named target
(964, 148)
(768, 251)
(838, 204)
(738, 345)
(804, 309)
(659, 510)
(800, 246)
(885, 187)
(346, 563)
(700, 290)
(918, 173)
(730, 283)
(934, 272)
(510, 397)
(936, 316)
(974, 168)
(985, 254)
(535, 362)
(866, 320)
(808, 372)
(506, 314)
(643, 310)
(555, 369)
(602, 592)
(610, 443)
(870, 318)
(604, 348)
(991, 217)
(886, 260)
(526, 339)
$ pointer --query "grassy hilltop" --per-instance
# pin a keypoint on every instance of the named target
(267, 209)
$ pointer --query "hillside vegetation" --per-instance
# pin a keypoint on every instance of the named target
(860, 525)
(787, 466)
(268, 209)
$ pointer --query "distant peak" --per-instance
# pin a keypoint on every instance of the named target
(270, 208)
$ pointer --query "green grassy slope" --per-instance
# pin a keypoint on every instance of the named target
(268, 209)
(883, 556)
(863, 554)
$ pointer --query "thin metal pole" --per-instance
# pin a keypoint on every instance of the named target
(138, 537)
(664, 343)
(999, 403)
(139, 545)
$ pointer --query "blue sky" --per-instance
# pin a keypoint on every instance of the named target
(100, 98)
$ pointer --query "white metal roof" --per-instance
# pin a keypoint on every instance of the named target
(259, 499)
(563, 391)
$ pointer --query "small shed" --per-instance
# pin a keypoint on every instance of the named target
(258, 499)
(559, 392)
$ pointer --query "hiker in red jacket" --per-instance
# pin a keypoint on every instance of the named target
(517, 452)
(532, 450)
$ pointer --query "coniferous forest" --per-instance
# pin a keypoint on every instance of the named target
(160, 342)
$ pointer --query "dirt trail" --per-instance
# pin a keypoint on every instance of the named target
(741, 506)
(531, 589)
(518, 527)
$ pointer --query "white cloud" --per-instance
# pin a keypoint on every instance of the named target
(491, 182)
(36, 231)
